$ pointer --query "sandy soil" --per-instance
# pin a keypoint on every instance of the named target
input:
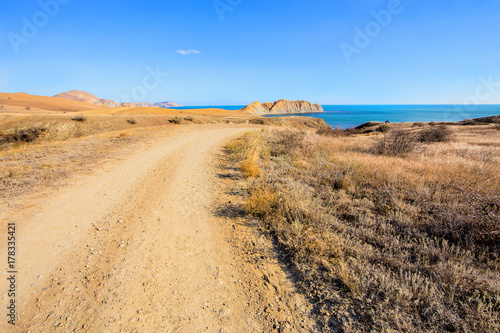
(142, 245)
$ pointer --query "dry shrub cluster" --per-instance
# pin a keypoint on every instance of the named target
(382, 243)
(435, 134)
(397, 143)
(401, 142)
(176, 120)
(81, 119)
(38, 132)
(23, 135)
(328, 131)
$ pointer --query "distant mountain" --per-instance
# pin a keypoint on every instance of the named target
(138, 104)
(282, 107)
(167, 104)
(24, 101)
(83, 96)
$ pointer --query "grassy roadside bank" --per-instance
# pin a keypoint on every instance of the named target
(393, 232)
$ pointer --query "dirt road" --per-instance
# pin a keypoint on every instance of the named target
(137, 247)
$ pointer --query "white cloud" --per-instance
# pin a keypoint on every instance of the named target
(186, 52)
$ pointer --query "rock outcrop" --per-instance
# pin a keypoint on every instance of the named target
(282, 107)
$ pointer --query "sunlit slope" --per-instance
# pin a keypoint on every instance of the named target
(22, 101)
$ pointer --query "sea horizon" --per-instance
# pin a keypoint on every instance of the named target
(352, 115)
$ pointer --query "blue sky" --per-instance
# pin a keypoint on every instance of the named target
(324, 51)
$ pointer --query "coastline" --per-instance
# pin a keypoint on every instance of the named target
(347, 116)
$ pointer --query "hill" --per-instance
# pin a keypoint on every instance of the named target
(22, 101)
(83, 96)
(166, 104)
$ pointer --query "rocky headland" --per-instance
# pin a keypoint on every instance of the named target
(282, 107)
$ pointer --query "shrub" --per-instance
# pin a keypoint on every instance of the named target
(176, 120)
(23, 135)
(131, 121)
(261, 201)
(250, 167)
(257, 121)
(189, 118)
(435, 134)
(472, 122)
(28, 108)
(236, 150)
(384, 128)
(397, 143)
(328, 131)
(81, 119)
(284, 141)
(1, 107)
(418, 124)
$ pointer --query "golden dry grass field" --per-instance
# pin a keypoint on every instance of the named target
(396, 229)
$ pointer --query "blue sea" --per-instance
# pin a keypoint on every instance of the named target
(345, 116)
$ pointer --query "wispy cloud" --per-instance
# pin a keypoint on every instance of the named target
(186, 52)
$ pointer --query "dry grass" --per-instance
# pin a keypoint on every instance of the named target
(41, 151)
(394, 243)
(29, 168)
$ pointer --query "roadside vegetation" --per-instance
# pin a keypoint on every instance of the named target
(392, 230)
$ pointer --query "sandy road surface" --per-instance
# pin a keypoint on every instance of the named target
(136, 247)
